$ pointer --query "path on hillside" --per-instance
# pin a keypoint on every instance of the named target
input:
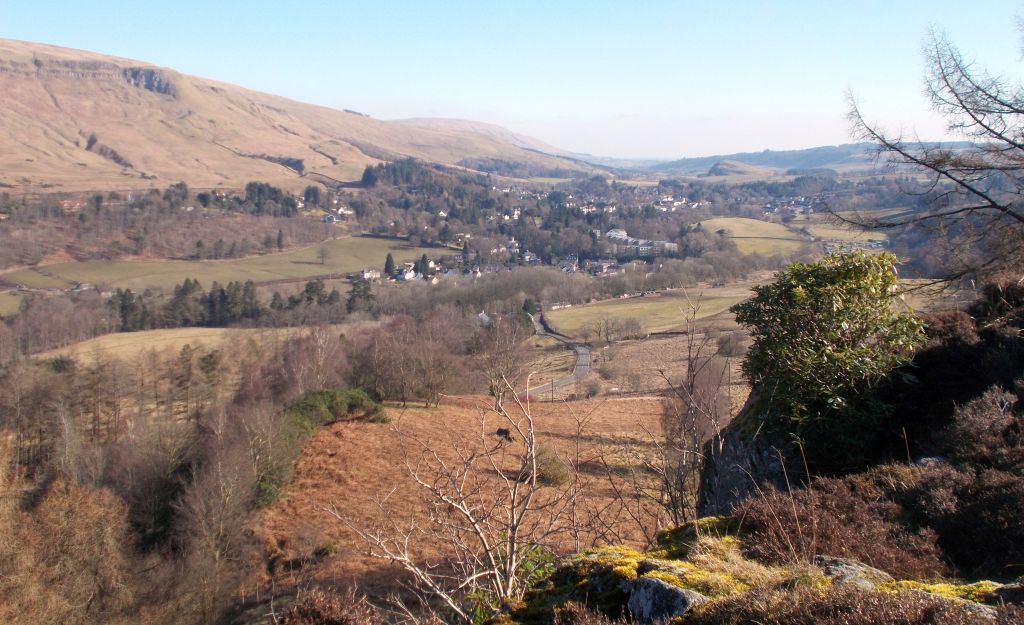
(580, 369)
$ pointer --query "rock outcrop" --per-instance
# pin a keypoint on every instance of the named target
(701, 566)
(653, 600)
(847, 571)
(745, 459)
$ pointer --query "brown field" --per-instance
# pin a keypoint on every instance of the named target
(348, 465)
(127, 345)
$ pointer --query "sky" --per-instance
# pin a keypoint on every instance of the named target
(656, 79)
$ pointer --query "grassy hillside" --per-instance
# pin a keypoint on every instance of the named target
(349, 464)
(347, 254)
(734, 168)
(74, 120)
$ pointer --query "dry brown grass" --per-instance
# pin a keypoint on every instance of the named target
(347, 465)
(651, 366)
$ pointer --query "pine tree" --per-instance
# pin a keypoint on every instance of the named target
(389, 265)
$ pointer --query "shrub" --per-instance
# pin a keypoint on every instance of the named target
(579, 614)
(317, 607)
(552, 470)
(825, 336)
(949, 327)
(1001, 300)
(833, 517)
(839, 605)
(318, 408)
(976, 517)
(985, 432)
(955, 367)
(732, 344)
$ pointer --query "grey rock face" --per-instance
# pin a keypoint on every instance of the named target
(653, 600)
(741, 463)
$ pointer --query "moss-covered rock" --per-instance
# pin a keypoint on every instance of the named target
(702, 557)
(978, 592)
(599, 578)
(705, 558)
(677, 542)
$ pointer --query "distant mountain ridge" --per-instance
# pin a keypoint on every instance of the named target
(837, 157)
(73, 120)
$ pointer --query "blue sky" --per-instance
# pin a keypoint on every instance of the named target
(631, 79)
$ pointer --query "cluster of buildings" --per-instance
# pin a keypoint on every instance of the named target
(801, 204)
(671, 204)
(622, 245)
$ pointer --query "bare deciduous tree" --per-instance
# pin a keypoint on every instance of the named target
(974, 193)
(492, 524)
(499, 355)
(666, 469)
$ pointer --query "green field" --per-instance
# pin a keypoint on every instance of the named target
(752, 235)
(347, 254)
(10, 301)
(829, 227)
(662, 312)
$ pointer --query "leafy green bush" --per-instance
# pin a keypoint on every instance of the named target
(826, 334)
(318, 408)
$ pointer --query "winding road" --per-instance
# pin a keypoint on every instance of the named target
(580, 370)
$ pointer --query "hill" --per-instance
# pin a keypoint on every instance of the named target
(72, 120)
(840, 158)
(736, 168)
(832, 156)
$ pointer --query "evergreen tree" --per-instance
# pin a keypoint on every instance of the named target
(389, 265)
(359, 297)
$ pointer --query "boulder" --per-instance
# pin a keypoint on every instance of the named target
(1011, 593)
(653, 600)
(847, 571)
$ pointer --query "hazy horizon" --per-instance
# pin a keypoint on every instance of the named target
(661, 81)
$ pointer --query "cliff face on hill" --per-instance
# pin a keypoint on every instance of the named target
(73, 120)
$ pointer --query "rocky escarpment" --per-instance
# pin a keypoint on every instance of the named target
(151, 79)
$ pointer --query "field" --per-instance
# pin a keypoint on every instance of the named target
(127, 345)
(349, 465)
(547, 358)
(663, 311)
(752, 235)
(346, 254)
(828, 227)
(9, 303)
